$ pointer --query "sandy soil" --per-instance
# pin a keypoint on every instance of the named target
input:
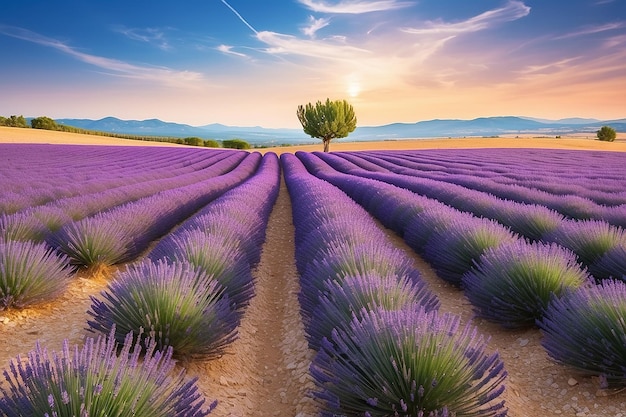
(265, 372)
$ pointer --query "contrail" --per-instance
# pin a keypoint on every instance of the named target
(240, 17)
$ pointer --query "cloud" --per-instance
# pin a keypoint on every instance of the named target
(333, 49)
(513, 10)
(354, 6)
(590, 30)
(113, 66)
(314, 25)
(151, 36)
(227, 49)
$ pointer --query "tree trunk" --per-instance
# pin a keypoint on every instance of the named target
(326, 144)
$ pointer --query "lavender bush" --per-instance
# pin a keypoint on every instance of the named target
(30, 273)
(589, 239)
(453, 251)
(220, 259)
(176, 304)
(89, 243)
(408, 363)
(586, 330)
(341, 300)
(512, 284)
(95, 381)
(612, 265)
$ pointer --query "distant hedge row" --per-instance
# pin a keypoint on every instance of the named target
(47, 123)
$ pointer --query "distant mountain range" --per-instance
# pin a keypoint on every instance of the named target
(259, 136)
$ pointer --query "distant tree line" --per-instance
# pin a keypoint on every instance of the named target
(46, 123)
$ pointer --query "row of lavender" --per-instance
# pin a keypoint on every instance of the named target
(185, 300)
(600, 245)
(34, 175)
(381, 346)
(594, 175)
(509, 279)
(596, 195)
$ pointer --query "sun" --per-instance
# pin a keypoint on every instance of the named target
(354, 88)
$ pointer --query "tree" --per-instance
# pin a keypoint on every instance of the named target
(236, 144)
(606, 134)
(327, 121)
(44, 122)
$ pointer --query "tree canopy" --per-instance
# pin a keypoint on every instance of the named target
(327, 121)
(606, 134)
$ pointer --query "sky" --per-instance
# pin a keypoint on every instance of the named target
(253, 62)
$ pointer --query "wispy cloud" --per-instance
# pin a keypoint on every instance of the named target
(314, 25)
(227, 49)
(112, 66)
(150, 36)
(513, 10)
(333, 49)
(354, 6)
(590, 30)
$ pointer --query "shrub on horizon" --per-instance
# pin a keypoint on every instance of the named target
(176, 305)
(586, 331)
(30, 273)
(95, 381)
(606, 134)
(512, 284)
(408, 363)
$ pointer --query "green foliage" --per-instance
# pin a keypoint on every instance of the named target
(211, 143)
(44, 122)
(606, 134)
(193, 141)
(236, 144)
(327, 121)
(13, 121)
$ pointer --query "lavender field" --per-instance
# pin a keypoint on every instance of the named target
(349, 283)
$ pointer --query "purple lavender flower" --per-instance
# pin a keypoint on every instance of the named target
(386, 355)
(30, 273)
(177, 305)
(513, 283)
(94, 380)
(586, 330)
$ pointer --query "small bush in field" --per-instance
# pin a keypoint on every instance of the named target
(95, 381)
(176, 304)
(408, 363)
(586, 330)
(211, 143)
(606, 134)
(512, 284)
(30, 273)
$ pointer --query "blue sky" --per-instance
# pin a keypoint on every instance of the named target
(243, 62)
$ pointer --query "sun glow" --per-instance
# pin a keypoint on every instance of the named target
(354, 88)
